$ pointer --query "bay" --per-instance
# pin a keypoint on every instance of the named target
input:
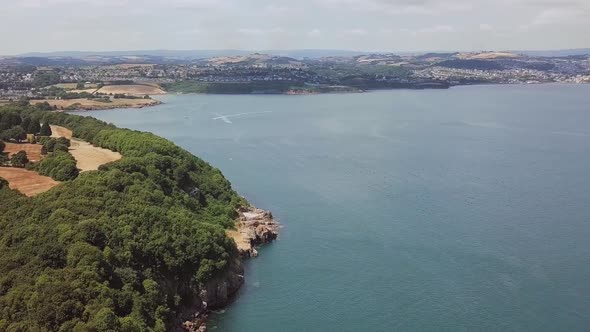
(465, 209)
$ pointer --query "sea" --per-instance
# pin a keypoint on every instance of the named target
(465, 209)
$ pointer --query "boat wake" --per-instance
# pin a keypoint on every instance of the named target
(225, 118)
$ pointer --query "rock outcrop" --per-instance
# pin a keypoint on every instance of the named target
(254, 227)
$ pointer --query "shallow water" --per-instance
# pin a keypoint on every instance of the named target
(437, 210)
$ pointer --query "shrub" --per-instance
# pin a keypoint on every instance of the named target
(19, 159)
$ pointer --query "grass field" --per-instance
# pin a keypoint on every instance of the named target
(73, 86)
(88, 157)
(132, 89)
(33, 150)
(27, 182)
(89, 104)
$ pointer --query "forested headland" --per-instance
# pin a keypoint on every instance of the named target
(124, 248)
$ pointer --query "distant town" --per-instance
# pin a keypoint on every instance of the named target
(87, 77)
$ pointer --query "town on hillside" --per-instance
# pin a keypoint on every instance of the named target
(111, 81)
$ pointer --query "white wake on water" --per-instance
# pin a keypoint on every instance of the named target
(225, 118)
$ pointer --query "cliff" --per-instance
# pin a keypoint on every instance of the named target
(254, 227)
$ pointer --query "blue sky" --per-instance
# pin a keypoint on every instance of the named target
(368, 25)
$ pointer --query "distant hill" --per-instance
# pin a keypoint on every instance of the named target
(196, 54)
(296, 54)
(555, 53)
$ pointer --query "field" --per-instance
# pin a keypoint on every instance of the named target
(89, 104)
(27, 182)
(132, 89)
(488, 55)
(72, 86)
(33, 150)
(88, 157)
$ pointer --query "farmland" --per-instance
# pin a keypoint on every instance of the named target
(27, 182)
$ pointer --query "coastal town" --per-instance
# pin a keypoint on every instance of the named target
(93, 77)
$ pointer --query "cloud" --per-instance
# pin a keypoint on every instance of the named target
(559, 16)
(314, 33)
(398, 7)
(486, 27)
(356, 32)
(260, 32)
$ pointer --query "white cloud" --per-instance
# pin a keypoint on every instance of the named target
(398, 7)
(258, 24)
(260, 32)
(486, 27)
(314, 33)
(559, 16)
(356, 32)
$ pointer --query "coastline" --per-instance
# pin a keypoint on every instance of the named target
(108, 106)
(254, 227)
(81, 107)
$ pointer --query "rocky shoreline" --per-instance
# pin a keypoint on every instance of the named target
(254, 227)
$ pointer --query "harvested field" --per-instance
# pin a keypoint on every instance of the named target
(33, 150)
(59, 131)
(132, 89)
(89, 104)
(88, 157)
(90, 90)
(488, 55)
(73, 86)
(27, 182)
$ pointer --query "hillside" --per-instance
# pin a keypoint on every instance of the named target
(130, 247)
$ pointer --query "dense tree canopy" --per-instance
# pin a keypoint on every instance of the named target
(45, 129)
(59, 165)
(19, 159)
(124, 248)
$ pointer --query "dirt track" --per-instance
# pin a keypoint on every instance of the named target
(27, 182)
(88, 157)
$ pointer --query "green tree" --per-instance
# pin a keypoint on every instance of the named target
(106, 321)
(34, 126)
(45, 129)
(80, 86)
(19, 159)
(16, 133)
(2, 146)
(26, 123)
(44, 106)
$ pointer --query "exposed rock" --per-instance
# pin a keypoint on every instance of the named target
(254, 227)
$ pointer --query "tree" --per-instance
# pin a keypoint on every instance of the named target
(2, 146)
(64, 141)
(80, 86)
(34, 126)
(60, 147)
(16, 133)
(45, 129)
(44, 106)
(19, 159)
(26, 123)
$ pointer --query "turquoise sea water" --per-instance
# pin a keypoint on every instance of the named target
(439, 210)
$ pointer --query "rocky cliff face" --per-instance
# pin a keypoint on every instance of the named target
(254, 227)
(216, 293)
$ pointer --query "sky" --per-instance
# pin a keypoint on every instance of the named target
(362, 25)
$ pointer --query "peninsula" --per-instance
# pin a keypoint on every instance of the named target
(109, 229)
